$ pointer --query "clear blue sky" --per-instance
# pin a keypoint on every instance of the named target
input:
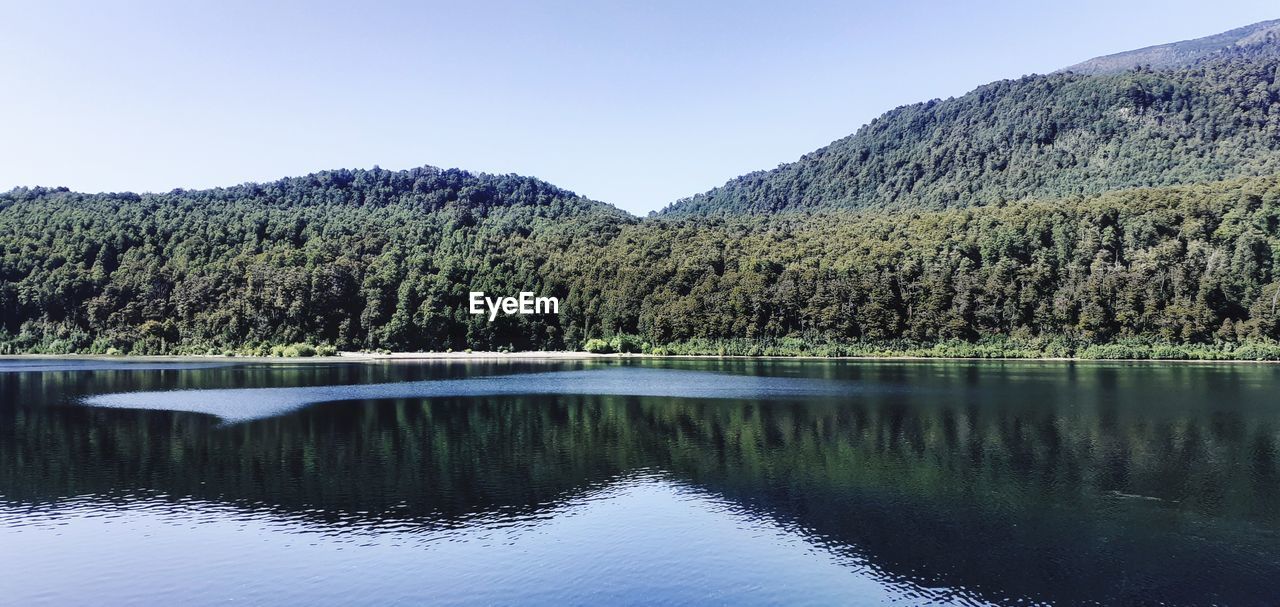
(634, 103)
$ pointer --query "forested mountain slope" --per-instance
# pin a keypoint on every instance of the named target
(357, 258)
(1046, 210)
(384, 261)
(1047, 136)
(1184, 264)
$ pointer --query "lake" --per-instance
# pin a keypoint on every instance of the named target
(638, 481)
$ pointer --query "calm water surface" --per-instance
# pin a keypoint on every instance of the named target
(728, 482)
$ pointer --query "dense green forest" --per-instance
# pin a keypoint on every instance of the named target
(1049, 136)
(381, 259)
(356, 259)
(1111, 214)
(1192, 264)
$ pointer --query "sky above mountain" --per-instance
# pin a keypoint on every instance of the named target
(636, 104)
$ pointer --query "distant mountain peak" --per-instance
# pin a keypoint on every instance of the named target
(1263, 36)
(1204, 111)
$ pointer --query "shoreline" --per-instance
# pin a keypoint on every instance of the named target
(565, 355)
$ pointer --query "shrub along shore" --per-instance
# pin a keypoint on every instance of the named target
(994, 347)
(1043, 348)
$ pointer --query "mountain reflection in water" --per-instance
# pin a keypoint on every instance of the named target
(915, 482)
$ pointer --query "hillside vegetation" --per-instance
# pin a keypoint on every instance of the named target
(351, 258)
(1049, 136)
(355, 261)
(1114, 214)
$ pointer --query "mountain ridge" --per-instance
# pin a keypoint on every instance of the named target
(1156, 238)
(427, 185)
(1039, 136)
(1185, 53)
(1178, 113)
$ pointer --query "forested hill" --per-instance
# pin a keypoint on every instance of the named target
(351, 257)
(1040, 137)
(1050, 212)
(354, 264)
(425, 189)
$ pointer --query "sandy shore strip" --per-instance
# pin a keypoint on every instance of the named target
(374, 357)
(341, 357)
